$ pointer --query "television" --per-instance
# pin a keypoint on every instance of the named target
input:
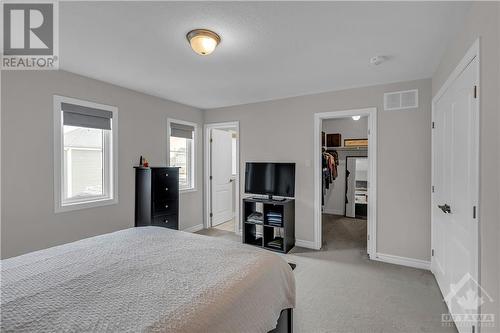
(270, 179)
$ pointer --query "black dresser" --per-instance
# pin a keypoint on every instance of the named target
(157, 197)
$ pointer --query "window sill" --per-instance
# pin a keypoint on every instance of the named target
(188, 190)
(85, 205)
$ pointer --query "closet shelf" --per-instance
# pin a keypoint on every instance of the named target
(347, 148)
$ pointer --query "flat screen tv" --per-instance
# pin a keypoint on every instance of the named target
(270, 179)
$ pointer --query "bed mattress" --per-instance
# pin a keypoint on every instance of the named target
(147, 279)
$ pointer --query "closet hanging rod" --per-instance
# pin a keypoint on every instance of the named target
(346, 149)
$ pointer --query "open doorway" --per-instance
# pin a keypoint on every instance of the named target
(345, 169)
(222, 179)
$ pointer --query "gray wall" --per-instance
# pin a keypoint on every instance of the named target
(28, 219)
(282, 130)
(483, 21)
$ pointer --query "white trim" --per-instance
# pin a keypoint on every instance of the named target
(206, 166)
(372, 174)
(305, 244)
(1, 152)
(194, 228)
(193, 151)
(112, 197)
(471, 54)
(403, 261)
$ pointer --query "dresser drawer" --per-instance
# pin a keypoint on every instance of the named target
(166, 221)
(166, 190)
(165, 175)
(165, 207)
(164, 193)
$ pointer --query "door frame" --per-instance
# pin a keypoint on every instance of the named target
(207, 222)
(470, 55)
(371, 113)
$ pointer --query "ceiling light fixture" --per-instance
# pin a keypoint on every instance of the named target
(203, 41)
(356, 117)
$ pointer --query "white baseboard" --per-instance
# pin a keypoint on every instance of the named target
(194, 228)
(304, 243)
(404, 261)
(333, 211)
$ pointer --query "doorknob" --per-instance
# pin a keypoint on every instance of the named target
(445, 208)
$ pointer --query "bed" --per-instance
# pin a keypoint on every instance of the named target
(148, 279)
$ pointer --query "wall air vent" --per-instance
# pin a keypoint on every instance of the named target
(401, 100)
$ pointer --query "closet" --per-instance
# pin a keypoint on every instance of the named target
(344, 170)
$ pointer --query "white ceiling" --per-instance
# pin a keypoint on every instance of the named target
(268, 50)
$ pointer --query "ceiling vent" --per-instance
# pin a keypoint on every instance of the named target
(401, 100)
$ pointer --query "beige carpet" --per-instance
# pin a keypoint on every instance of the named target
(227, 226)
(220, 233)
(340, 290)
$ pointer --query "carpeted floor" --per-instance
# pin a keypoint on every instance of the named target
(220, 233)
(227, 226)
(340, 290)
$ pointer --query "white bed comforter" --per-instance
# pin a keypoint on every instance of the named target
(145, 279)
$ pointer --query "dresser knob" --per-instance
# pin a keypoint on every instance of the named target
(166, 175)
(166, 206)
(166, 188)
(166, 221)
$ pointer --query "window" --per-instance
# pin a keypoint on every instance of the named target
(83, 162)
(84, 153)
(181, 151)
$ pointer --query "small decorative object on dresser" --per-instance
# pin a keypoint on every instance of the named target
(157, 197)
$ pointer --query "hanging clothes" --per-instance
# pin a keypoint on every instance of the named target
(330, 162)
(329, 165)
(335, 164)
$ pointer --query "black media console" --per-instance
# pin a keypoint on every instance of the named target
(269, 223)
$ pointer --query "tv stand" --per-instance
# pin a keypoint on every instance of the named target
(276, 229)
(270, 198)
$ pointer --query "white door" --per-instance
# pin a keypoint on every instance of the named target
(221, 169)
(350, 206)
(454, 201)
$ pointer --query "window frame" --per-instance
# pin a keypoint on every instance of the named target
(192, 177)
(110, 160)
